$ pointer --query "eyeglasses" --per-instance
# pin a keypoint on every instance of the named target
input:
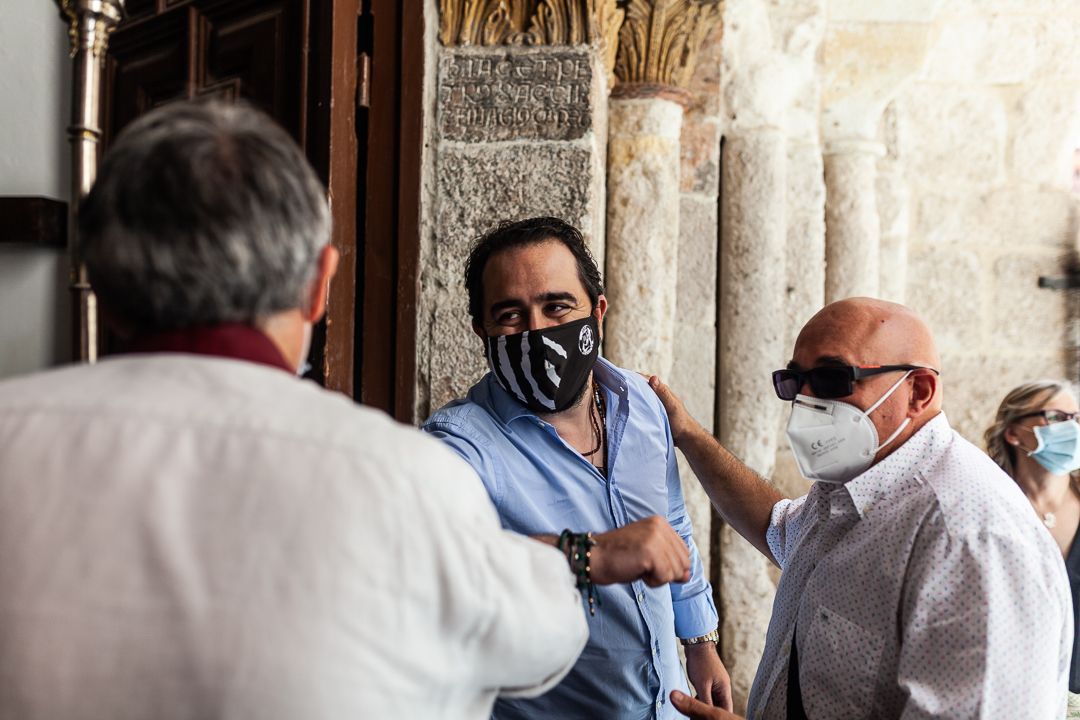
(830, 381)
(1052, 416)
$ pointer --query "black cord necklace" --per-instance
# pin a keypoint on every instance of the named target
(599, 426)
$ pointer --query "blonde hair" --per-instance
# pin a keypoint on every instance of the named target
(1021, 400)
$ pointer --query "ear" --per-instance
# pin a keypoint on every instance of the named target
(478, 329)
(319, 289)
(1011, 436)
(924, 388)
(599, 312)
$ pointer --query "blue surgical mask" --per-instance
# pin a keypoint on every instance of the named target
(1059, 447)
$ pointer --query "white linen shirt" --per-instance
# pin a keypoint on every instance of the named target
(925, 587)
(187, 537)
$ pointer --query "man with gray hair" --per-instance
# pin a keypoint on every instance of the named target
(188, 531)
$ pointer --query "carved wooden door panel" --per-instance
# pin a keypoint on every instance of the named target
(277, 55)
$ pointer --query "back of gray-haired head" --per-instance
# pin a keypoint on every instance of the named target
(202, 214)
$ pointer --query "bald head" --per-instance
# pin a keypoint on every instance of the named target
(868, 332)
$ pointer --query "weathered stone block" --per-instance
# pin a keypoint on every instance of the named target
(985, 48)
(748, 592)
(805, 202)
(893, 282)
(893, 200)
(493, 94)
(699, 240)
(906, 11)
(945, 286)
(960, 134)
(699, 151)
(698, 509)
(971, 401)
(704, 84)
(1005, 217)
(1059, 55)
(1027, 215)
(1027, 316)
(863, 65)
(481, 184)
(1044, 124)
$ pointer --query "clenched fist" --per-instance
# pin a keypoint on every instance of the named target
(648, 550)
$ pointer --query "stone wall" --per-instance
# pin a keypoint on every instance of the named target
(986, 138)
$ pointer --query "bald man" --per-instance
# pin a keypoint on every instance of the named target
(916, 581)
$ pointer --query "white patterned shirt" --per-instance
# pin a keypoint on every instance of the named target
(925, 587)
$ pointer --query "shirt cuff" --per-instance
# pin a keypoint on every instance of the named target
(695, 616)
(777, 531)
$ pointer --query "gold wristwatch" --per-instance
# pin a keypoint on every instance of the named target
(712, 637)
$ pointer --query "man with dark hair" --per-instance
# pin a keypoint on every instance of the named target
(577, 452)
(188, 531)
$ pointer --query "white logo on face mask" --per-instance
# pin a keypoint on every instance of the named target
(585, 340)
(835, 441)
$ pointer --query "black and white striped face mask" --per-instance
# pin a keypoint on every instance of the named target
(545, 369)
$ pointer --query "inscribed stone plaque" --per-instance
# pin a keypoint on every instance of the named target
(494, 94)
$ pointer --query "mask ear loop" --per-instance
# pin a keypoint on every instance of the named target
(883, 398)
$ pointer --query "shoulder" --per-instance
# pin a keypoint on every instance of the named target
(229, 409)
(471, 418)
(973, 493)
(978, 509)
(642, 397)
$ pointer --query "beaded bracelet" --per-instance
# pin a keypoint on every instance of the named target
(578, 550)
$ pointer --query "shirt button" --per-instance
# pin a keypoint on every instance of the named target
(641, 597)
(659, 705)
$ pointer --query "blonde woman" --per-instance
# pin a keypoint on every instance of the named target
(1035, 438)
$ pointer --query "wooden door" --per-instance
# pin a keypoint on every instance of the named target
(344, 77)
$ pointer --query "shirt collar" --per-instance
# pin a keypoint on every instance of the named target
(230, 340)
(922, 450)
(508, 408)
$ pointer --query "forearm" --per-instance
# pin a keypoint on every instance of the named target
(743, 498)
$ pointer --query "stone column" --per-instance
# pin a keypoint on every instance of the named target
(892, 197)
(658, 46)
(852, 229)
(893, 202)
(643, 231)
(521, 129)
(753, 234)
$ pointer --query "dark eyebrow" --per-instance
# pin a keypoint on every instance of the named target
(554, 296)
(541, 298)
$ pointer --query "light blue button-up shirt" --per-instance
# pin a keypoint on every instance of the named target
(540, 485)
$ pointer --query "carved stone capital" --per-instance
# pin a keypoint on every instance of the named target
(532, 22)
(659, 40)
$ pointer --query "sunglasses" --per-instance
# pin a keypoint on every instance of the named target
(830, 381)
(1051, 416)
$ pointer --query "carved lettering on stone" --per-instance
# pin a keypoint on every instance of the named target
(515, 95)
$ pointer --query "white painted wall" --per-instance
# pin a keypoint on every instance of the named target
(35, 75)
